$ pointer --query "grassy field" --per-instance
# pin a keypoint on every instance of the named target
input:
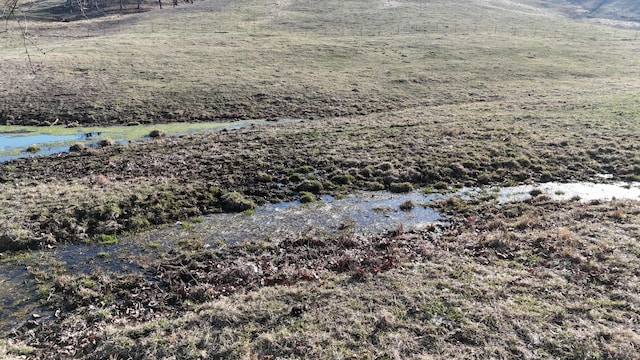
(217, 60)
(394, 95)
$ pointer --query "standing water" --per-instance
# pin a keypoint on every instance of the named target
(14, 140)
(583, 191)
(365, 212)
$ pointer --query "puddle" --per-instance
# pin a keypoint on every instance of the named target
(9, 142)
(14, 145)
(17, 297)
(364, 213)
(375, 212)
(14, 140)
(86, 259)
(583, 191)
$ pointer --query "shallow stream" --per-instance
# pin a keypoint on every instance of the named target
(14, 140)
(364, 212)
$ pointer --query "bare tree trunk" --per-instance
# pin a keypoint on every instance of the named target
(8, 9)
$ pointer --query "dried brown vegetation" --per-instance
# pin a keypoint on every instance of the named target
(563, 289)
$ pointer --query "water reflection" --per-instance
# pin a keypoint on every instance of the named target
(21, 141)
(17, 297)
(367, 212)
(583, 191)
(363, 213)
(13, 143)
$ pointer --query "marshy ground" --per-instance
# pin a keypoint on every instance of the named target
(532, 279)
(393, 96)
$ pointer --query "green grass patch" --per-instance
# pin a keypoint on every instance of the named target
(104, 239)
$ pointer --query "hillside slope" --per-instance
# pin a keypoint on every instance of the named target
(627, 10)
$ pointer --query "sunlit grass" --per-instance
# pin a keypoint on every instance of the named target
(296, 56)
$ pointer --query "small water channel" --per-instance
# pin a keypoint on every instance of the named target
(17, 298)
(14, 140)
(361, 213)
(364, 212)
(15, 145)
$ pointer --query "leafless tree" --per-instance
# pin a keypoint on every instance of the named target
(8, 8)
(9, 11)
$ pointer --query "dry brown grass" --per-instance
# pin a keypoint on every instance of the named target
(256, 59)
(563, 290)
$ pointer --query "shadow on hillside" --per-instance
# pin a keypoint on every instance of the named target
(60, 10)
(615, 10)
